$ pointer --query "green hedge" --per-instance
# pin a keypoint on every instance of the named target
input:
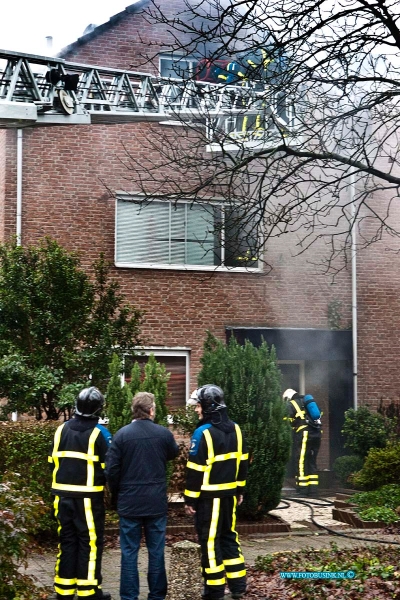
(25, 447)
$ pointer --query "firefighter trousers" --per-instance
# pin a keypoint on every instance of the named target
(81, 533)
(307, 445)
(221, 557)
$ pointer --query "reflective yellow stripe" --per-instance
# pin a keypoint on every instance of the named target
(91, 458)
(191, 494)
(70, 454)
(236, 574)
(218, 486)
(221, 457)
(241, 483)
(92, 538)
(86, 592)
(196, 467)
(234, 561)
(303, 453)
(214, 569)
(300, 428)
(212, 532)
(49, 459)
(63, 581)
(239, 447)
(55, 505)
(87, 582)
(77, 488)
(313, 476)
(57, 438)
(245, 456)
(215, 581)
(64, 592)
(210, 455)
(300, 414)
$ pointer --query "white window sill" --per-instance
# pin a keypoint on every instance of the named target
(188, 267)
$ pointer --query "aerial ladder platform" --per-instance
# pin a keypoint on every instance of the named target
(37, 91)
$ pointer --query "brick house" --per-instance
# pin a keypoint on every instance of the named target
(67, 172)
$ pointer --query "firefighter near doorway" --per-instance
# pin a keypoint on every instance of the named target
(305, 419)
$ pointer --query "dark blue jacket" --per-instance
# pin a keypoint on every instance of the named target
(136, 468)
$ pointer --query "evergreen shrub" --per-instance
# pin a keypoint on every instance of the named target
(364, 429)
(251, 382)
(119, 397)
(381, 467)
(25, 448)
(345, 466)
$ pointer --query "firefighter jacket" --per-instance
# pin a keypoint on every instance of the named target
(218, 461)
(299, 419)
(78, 458)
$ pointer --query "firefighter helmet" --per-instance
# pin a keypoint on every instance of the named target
(89, 402)
(211, 398)
(193, 400)
(289, 394)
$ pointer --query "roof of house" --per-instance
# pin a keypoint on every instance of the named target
(99, 29)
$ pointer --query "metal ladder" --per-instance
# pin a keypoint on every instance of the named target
(39, 90)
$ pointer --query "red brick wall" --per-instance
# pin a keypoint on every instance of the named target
(3, 141)
(66, 171)
(130, 43)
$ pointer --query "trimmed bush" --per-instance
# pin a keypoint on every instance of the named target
(381, 467)
(251, 382)
(364, 429)
(25, 448)
(345, 466)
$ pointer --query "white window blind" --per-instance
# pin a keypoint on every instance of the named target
(183, 234)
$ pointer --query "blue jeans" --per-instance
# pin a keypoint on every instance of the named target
(130, 534)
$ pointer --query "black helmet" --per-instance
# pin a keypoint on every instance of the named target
(89, 402)
(211, 398)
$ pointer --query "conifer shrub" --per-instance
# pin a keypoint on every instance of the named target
(119, 397)
(250, 379)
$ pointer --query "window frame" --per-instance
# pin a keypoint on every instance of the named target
(192, 63)
(136, 198)
(161, 351)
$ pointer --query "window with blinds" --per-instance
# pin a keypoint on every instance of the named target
(167, 234)
(176, 366)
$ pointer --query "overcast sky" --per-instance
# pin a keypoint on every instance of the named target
(26, 23)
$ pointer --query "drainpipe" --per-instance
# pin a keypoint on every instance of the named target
(19, 187)
(354, 286)
(14, 416)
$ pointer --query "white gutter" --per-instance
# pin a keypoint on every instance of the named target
(19, 187)
(354, 288)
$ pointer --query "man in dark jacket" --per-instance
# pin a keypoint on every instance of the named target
(78, 459)
(215, 480)
(136, 474)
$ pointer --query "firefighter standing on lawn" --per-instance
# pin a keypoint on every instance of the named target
(215, 480)
(78, 459)
(307, 440)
